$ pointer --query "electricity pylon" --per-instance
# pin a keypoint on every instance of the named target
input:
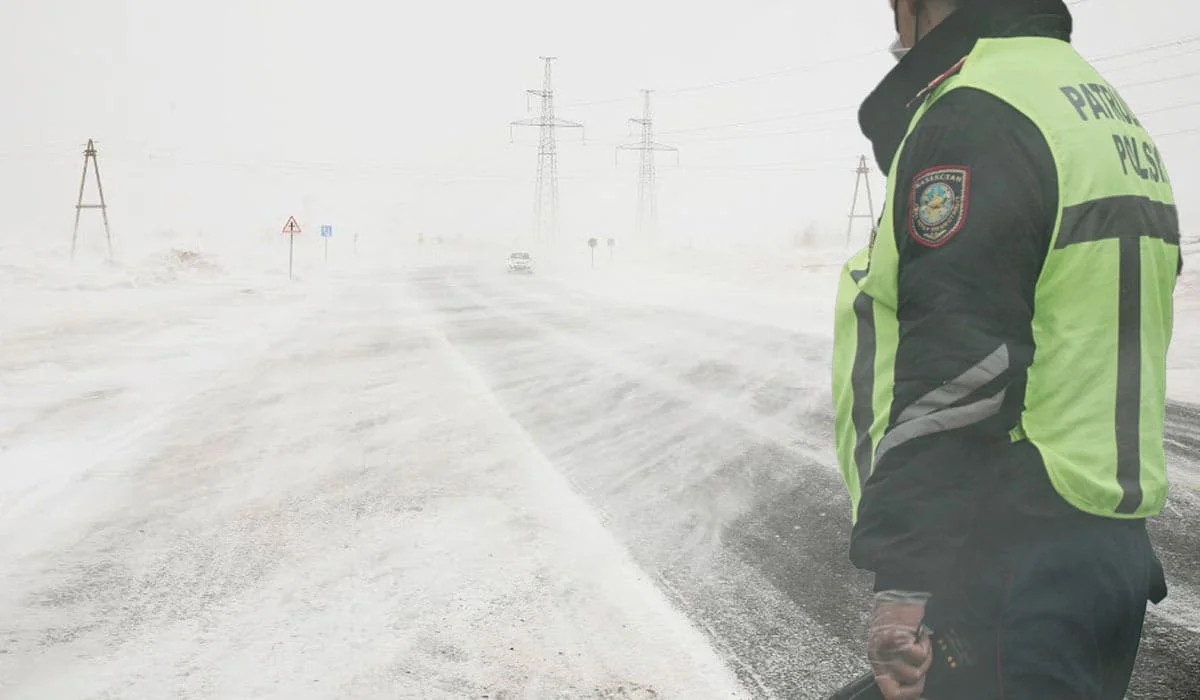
(647, 206)
(545, 211)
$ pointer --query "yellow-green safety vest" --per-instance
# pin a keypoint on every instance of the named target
(1096, 390)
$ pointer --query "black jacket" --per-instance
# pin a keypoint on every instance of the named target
(959, 301)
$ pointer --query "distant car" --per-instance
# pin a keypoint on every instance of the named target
(520, 263)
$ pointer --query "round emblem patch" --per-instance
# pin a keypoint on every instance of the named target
(939, 205)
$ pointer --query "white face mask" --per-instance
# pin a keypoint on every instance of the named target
(897, 49)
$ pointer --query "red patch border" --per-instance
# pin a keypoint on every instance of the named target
(962, 217)
(933, 84)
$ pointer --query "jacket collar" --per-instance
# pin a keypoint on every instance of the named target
(885, 115)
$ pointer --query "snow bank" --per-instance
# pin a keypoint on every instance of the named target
(51, 269)
(42, 289)
(794, 289)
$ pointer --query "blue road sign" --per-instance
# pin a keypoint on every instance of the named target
(326, 231)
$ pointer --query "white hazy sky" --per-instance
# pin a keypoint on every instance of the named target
(388, 118)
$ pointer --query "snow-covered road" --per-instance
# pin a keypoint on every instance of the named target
(707, 440)
(323, 503)
(443, 482)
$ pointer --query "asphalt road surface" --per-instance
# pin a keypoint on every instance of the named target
(705, 442)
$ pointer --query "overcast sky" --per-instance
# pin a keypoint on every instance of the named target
(389, 118)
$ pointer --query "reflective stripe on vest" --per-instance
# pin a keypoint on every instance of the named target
(1095, 393)
(935, 412)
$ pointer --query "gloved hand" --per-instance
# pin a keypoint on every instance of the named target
(898, 644)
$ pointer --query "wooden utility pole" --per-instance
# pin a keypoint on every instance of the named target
(862, 180)
(89, 154)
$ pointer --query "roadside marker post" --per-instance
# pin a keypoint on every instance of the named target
(326, 233)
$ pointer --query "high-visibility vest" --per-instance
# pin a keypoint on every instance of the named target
(1096, 390)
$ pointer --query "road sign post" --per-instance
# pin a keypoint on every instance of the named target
(612, 243)
(592, 243)
(292, 229)
(326, 233)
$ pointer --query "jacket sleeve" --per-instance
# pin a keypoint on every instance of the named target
(975, 204)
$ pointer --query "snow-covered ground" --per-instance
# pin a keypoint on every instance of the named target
(216, 487)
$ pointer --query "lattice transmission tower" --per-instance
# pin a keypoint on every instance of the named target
(647, 204)
(545, 210)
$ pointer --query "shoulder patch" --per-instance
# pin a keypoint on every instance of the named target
(938, 204)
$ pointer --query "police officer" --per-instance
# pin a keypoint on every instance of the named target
(1000, 362)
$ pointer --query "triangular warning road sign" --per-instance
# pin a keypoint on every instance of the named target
(291, 226)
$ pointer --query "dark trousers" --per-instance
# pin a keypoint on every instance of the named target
(1051, 613)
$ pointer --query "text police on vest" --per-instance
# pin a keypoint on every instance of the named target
(1096, 101)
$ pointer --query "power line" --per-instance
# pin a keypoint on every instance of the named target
(853, 108)
(1169, 108)
(1180, 132)
(389, 169)
(1151, 60)
(1156, 81)
(826, 129)
(773, 74)
(379, 171)
(803, 68)
(1144, 49)
(1183, 41)
(22, 150)
(813, 65)
(831, 128)
(783, 117)
(847, 108)
(807, 165)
